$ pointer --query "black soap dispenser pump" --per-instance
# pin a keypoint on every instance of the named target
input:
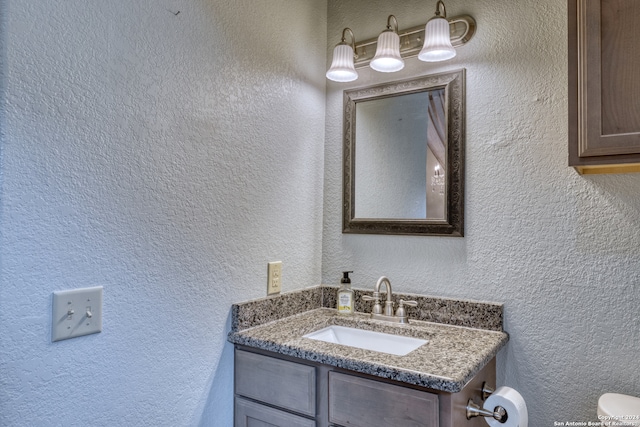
(345, 294)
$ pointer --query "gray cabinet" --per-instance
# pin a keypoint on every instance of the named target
(604, 89)
(279, 391)
(288, 385)
(361, 402)
(252, 414)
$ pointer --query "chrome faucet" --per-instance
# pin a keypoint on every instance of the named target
(388, 306)
(376, 313)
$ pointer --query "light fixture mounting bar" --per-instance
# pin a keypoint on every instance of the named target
(462, 28)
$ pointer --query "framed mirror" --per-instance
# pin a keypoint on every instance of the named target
(403, 157)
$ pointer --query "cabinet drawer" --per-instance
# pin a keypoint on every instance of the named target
(251, 414)
(360, 402)
(288, 385)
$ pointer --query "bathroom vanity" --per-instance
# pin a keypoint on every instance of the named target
(285, 379)
(285, 391)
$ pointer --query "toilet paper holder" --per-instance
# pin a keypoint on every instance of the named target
(474, 410)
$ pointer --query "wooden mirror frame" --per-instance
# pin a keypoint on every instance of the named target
(453, 223)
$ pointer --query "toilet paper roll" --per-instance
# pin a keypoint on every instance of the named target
(512, 402)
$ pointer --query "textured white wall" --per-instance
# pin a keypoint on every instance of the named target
(166, 150)
(560, 250)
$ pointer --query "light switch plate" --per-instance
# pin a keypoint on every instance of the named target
(274, 277)
(76, 312)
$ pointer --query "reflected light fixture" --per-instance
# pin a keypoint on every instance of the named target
(437, 182)
(437, 38)
(387, 58)
(342, 68)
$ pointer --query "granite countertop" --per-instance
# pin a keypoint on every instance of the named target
(447, 362)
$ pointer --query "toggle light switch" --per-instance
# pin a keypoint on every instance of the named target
(76, 312)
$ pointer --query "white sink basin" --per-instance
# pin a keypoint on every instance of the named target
(368, 340)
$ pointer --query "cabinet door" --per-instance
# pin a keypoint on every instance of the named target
(289, 385)
(360, 402)
(604, 88)
(251, 414)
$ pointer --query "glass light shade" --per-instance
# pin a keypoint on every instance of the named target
(387, 58)
(437, 41)
(342, 68)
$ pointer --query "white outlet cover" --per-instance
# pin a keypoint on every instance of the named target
(274, 277)
(76, 312)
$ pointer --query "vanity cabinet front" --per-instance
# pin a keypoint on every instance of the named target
(264, 382)
(282, 391)
(604, 89)
(252, 414)
(361, 402)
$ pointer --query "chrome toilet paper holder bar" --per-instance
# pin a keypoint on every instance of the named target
(474, 410)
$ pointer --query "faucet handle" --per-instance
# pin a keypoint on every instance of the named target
(410, 303)
(401, 312)
(377, 308)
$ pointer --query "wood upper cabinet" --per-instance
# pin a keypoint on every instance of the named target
(604, 86)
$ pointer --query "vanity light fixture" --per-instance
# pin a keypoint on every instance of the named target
(388, 59)
(437, 39)
(392, 46)
(342, 67)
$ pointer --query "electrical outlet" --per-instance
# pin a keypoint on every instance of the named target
(274, 277)
(76, 312)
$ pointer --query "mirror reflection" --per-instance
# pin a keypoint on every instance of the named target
(403, 157)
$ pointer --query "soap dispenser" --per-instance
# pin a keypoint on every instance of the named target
(345, 294)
